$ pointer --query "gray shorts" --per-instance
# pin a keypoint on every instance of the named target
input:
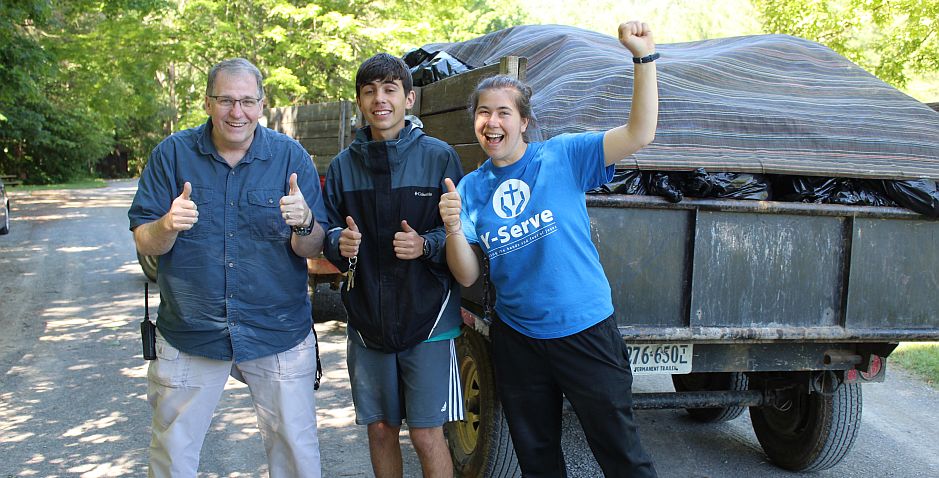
(420, 385)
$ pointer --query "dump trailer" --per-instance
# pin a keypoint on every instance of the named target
(781, 308)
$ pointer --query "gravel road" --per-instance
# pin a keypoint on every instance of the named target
(73, 388)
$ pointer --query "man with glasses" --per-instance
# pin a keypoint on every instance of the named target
(232, 211)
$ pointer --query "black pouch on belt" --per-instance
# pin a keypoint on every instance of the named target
(147, 328)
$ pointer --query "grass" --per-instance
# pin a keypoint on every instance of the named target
(921, 358)
(77, 184)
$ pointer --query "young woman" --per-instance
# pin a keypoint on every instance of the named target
(555, 334)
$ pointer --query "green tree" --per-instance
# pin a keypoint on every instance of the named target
(23, 65)
(110, 64)
(87, 78)
(79, 86)
(890, 38)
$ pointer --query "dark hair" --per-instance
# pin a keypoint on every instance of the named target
(504, 82)
(383, 67)
(234, 65)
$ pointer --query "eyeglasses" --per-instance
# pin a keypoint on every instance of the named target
(229, 102)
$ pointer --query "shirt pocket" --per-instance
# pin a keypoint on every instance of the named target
(202, 196)
(266, 222)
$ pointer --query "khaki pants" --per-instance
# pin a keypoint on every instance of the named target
(184, 390)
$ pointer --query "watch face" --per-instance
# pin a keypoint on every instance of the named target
(426, 248)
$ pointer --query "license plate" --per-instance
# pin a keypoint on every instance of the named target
(660, 359)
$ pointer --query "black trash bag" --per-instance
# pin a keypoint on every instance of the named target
(696, 183)
(416, 56)
(625, 181)
(919, 195)
(812, 189)
(700, 183)
(739, 186)
(433, 67)
(851, 192)
(661, 185)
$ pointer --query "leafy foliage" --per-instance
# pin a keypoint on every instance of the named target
(890, 38)
(89, 79)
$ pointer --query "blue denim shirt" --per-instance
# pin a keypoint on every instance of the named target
(231, 287)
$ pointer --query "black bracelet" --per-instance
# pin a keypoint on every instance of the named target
(646, 59)
(304, 230)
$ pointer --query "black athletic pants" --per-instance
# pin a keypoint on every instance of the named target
(590, 368)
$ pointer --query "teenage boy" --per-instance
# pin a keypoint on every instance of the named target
(382, 195)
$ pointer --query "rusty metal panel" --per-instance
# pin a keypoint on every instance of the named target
(644, 253)
(766, 357)
(767, 270)
(894, 281)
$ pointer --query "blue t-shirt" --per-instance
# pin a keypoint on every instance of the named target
(530, 219)
(231, 288)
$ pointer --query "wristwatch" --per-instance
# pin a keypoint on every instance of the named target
(426, 247)
(304, 230)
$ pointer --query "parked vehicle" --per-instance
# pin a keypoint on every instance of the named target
(4, 209)
(783, 309)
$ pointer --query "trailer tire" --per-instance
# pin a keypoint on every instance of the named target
(708, 382)
(149, 266)
(814, 433)
(480, 445)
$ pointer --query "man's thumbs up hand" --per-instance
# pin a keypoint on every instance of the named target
(408, 243)
(183, 213)
(293, 207)
(294, 188)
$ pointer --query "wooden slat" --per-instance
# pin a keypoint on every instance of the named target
(455, 127)
(320, 146)
(312, 129)
(416, 108)
(344, 125)
(471, 156)
(314, 112)
(322, 163)
(451, 93)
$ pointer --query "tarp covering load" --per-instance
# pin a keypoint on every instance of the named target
(766, 104)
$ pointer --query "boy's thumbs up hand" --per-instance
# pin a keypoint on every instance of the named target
(408, 244)
(349, 239)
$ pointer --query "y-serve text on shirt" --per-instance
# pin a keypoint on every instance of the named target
(528, 226)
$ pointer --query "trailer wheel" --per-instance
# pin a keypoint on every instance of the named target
(480, 445)
(811, 431)
(711, 382)
(149, 266)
